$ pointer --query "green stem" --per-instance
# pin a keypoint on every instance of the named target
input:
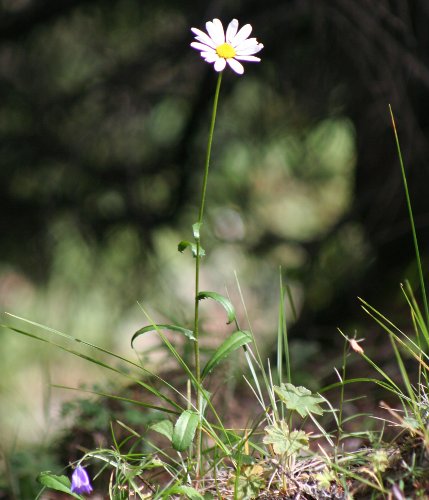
(209, 148)
(413, 227)
(197, 268)
(343, 378)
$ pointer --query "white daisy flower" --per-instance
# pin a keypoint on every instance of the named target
(229, 48)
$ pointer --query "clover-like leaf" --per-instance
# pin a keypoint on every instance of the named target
(249, 482)
(283, 441)
(299, 399)
(325, 478)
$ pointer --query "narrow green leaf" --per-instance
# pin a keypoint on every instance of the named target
(205, 399)
(184, 430)
(381, 383)
(57, 483)
(183, 245)
(231, 344)
(412, 224)
(164, 427)
(196, 230)
(73, 339)
(223, 301)
(188, 491)
(153, 328)
(97, 362)
(128, 400)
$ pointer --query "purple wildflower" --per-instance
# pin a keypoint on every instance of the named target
(80, 481)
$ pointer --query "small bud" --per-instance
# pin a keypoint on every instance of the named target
(355, 346)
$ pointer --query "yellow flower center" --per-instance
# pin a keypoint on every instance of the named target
(225, 50)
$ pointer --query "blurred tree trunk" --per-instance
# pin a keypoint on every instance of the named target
(382, 49)
(344, 57)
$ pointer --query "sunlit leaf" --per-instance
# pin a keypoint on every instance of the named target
(326, 478)
(153, 328)
(196, 230)
(164, 427)
(411, 422)
(299, 399)
(205, 397)
(184, 430)
(223, 301)
(249, 482)
(183, 245)
(57, 483)
(231, 344)
(283, 441)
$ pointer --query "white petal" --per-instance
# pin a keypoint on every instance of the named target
(241, 35)
(246, 43)
(220, 64)
(250, 50)
(248, 58)
(231, 31)
(197, 31)
(206, 41)
(201, 46)
(215, 30)
(203, 37)
(210, 57)
(236, 66)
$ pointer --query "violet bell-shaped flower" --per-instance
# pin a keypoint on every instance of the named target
(80, 481)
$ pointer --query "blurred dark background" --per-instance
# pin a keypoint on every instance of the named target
(104, 112)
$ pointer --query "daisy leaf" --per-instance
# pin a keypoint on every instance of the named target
(187, 491)
(184, 430)
(154, 328)
(223, 301)
(164, 427)
(185, 244)
(196, 230)
(231, 344)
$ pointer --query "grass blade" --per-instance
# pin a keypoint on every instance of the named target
(410, 213)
